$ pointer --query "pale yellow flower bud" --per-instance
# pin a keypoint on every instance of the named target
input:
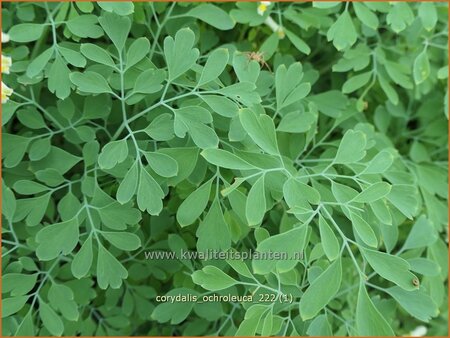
(6, 93)
(6, 64)
(5, 37)
(276, 28)
(419, 331)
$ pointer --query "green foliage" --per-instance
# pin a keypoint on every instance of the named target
(145, 127)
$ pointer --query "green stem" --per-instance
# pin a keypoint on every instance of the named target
(346, 240)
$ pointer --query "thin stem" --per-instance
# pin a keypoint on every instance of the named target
(159, 29)
(38, 106)
(53, 26)
(124, 110)
(346, 241)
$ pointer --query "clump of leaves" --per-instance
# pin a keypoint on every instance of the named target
(136, 127)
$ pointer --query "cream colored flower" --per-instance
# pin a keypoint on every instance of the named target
(281, 33)
(275, 27)
(6, 93)
(5, 37)
(6, 64)
(419, 331)
(262, 7)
